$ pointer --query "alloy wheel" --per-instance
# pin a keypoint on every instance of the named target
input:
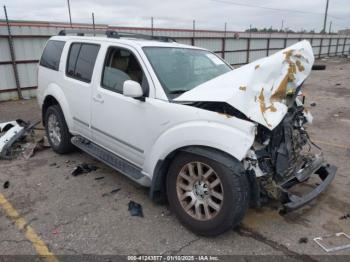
(54, 130)
(199, 190)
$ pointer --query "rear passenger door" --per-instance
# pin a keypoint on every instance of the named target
(80, 65)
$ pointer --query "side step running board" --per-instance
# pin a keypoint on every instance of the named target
(112, 160)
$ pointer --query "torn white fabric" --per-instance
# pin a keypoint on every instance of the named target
(259, 89)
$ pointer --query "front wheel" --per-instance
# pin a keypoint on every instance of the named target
(207, 197)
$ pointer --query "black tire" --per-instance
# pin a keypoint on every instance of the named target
(235, 201)
(65, 145)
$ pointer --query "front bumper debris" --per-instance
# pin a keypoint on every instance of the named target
(325, 172)
(10, 132)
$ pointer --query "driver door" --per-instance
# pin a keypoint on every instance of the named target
(119, 123)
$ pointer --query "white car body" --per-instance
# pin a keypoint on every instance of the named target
(180, 120)
(146, 132)
(165, 126)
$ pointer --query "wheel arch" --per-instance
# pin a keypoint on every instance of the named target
(55, 96)
(48, 101)
(158, 186)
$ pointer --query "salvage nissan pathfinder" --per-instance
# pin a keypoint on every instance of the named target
(209, 139)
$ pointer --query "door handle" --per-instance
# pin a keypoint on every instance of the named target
(98, 99)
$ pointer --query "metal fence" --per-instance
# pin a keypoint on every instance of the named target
(28, 40)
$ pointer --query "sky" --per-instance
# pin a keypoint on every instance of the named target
(209, 14)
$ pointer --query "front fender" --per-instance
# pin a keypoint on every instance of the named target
(231, 140)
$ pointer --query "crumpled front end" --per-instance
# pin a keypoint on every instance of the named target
(258, 90)
(267, 92)
(284, 158)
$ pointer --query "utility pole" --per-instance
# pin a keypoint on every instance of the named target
(224, 42)
(152, 28)
(325, 18)
(225, 29)
(282, 25)
(13, 56)
(330, 28)
(93, 23)
(70, 16)
(194, 27)
(193, 32)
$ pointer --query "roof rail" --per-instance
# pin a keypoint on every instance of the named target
(82, 32)
(115, 34)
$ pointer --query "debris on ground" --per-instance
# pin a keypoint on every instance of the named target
(6, 184)
(17, 138)
(43, 142)
(114, 191)
(135, 209)
(83, 168)
(313, 104)
(338, 84)
(111, 192)
(334, 242)
(99, 178)
(53, 164)
(30, 148)
(166, 213)
(77, 171)
(303, 240)
(346, 216)
(55, 231)
(318, 67)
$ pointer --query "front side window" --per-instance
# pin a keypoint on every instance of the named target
(52, 54)
(81, 61)
(182, 69)
(121, 65)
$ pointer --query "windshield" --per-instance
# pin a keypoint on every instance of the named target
(182, 69)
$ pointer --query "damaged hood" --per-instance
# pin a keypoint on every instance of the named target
(259, 89)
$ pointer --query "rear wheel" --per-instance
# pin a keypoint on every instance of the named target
(206, 196)
(57, 131)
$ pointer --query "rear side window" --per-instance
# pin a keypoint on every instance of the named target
(81, 61)
(52, 54)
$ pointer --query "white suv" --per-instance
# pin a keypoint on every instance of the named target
(210, 140)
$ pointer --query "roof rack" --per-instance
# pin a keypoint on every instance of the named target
(115, 34)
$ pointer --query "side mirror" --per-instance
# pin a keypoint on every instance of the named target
(132, 89)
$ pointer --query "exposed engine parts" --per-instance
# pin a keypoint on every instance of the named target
(282, 158)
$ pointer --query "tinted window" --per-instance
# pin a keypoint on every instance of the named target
(52, 54)
(81, 61)
(121, 65)
(72, 59)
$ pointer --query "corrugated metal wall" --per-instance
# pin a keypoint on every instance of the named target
(237, 48)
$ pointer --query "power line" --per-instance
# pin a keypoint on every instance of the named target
(271, 8)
